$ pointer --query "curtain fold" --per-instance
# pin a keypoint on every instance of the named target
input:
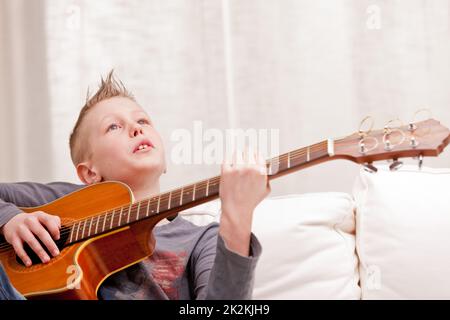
(25, 117)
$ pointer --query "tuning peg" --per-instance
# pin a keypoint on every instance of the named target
(362, 147)
(387, 145)
(420, 161)
(412, 127)
(395, 165)
(369, 167)
(413, 142)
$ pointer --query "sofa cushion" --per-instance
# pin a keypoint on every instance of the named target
(308, 246)
(403, 233)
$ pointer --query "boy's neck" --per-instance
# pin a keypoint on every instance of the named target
(142, 192)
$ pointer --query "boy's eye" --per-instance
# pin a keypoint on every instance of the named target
(113, 127)
(143, 121)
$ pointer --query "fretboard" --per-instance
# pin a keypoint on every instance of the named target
(190, 195)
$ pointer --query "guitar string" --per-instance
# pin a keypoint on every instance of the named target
(108, 214)
(291, 155)
(294, 155)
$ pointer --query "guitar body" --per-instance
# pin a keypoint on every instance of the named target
(80, 268)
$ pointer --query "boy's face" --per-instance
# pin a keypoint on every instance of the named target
(123, 143)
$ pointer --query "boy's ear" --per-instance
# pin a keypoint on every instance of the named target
(87, 174)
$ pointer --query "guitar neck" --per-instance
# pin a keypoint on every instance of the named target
(168, 203)
(419, 139)
(300, 159)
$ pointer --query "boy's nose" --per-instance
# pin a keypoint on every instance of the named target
(136, 131)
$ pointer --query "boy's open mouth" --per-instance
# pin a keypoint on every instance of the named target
(143, 145)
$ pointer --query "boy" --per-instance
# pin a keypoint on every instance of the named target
(114, 139)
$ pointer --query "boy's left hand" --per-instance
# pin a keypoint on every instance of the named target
(243, 185)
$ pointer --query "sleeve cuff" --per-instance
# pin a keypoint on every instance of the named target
(255, 250)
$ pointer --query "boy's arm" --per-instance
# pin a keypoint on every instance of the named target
(243, 185)
(220, 273)
(29, 194)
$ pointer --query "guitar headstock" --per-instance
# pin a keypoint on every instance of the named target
(426, 138)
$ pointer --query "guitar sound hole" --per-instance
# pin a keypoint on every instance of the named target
(64, 234)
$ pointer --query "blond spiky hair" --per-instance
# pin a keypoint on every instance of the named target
(109, 88)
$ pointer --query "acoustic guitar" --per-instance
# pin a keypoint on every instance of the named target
(104, 230)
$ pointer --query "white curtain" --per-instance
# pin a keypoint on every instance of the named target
(311, 69)
(25, 114)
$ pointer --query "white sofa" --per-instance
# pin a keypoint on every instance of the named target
(389, 239)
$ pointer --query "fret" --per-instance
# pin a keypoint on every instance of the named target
(148, 206)
(181, 197)
(170, 198)
(120, 216)
(214, 186)
(71, 234)
(129, 211)
(104, 221)
(112, 219)
(84, 227)
(137, 211)
(193, 192)
(77, 234)
(207, 187)
(96, 224)
(78, 230)
(308, 154)
(159, 201)
(90, 225)
(289, 160)
(72, 231)
(330, 147)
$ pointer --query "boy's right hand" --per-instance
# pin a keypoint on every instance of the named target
(25, 227)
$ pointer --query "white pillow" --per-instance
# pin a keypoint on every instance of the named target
(403, 233)
(308, 246)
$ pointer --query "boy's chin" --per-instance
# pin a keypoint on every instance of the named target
(147, 168)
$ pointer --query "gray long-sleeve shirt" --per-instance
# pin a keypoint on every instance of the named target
(189, 261)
